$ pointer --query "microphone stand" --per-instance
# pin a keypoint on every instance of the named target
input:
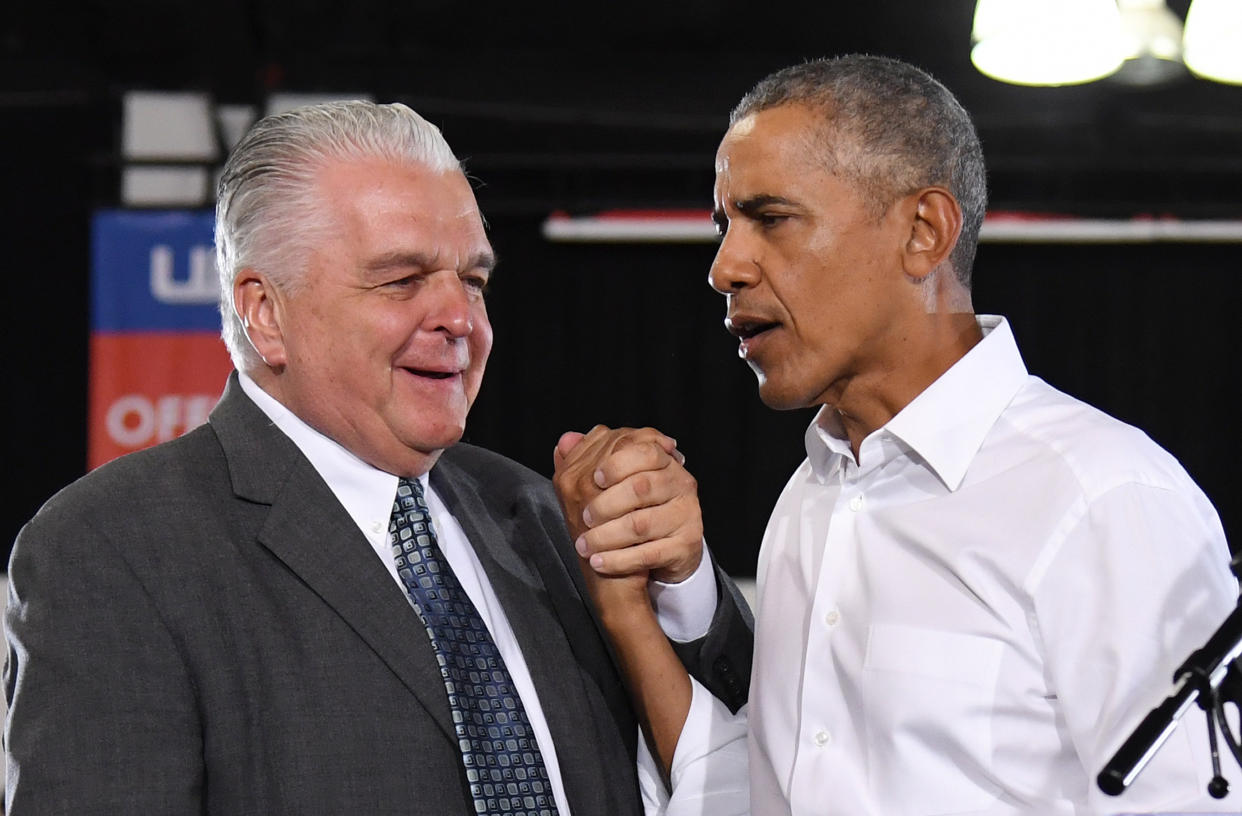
(1209, 677)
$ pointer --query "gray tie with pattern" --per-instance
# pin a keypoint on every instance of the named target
(503, 765)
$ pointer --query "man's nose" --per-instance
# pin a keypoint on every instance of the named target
(449, 305)
(734, 267)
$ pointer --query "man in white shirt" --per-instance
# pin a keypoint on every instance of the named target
(319, 602)
(975, 586)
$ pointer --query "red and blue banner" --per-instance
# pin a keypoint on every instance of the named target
(157, 363)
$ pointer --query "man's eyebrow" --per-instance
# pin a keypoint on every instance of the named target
(483, 260)
(747, 206)
(422, 260)
(400, 260)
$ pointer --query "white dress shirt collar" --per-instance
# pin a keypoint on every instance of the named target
(944, 425)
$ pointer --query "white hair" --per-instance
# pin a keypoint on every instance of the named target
(266, 213)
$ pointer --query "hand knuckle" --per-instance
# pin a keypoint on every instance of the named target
(640, 524)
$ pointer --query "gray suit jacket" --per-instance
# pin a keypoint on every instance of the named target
(200, 628)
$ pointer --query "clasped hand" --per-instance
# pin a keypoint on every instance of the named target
(631, 505)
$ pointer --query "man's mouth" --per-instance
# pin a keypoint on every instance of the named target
(750, 331)
(434, 375)
(744, 328)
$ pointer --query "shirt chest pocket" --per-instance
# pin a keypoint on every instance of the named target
(931, 710)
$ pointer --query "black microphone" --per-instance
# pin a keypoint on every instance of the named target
(1202, 673)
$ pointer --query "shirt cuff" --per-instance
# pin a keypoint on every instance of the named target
(685, 610)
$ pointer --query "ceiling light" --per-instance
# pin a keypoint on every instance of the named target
(1047, 42)
(1212, 44)
(1152, 36)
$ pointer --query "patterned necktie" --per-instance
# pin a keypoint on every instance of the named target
(503, 764)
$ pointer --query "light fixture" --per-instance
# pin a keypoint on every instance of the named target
(1152, 34)
(1212, 43)
(1066, 42)
(1047, 42)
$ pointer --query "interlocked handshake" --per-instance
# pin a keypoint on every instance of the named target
(632, 508)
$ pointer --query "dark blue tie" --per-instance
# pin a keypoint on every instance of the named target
(503, 764)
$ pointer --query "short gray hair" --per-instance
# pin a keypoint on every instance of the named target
(903, 130)
(265, 213)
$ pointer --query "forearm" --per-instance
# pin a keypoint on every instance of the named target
(633, 513)
(658, 683)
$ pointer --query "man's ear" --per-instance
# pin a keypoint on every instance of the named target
(260, 306)
(935, 220)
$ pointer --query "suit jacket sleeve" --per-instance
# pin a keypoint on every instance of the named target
(720, 660)
(99, 695)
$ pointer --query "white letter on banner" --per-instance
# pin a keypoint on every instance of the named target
(197, 409)
(121, 410)
(202, 286)
(168, 413)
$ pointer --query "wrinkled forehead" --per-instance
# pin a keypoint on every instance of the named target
(381, 208)
(786, 144)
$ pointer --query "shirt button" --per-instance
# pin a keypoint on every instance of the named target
(822, 738)
(832, 618)
(377, 527)
(856, 503)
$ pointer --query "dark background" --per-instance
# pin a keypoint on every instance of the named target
(591, 107)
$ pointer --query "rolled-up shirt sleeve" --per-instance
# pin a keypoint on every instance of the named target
(709, 773)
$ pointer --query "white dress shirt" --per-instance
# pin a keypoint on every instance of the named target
(974, 615)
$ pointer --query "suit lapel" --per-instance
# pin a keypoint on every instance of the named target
(309, 531)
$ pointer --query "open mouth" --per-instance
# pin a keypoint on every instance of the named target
(749, 331)
(744, 329)
(434, 375)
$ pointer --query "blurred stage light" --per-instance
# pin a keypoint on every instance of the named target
(1047, 42)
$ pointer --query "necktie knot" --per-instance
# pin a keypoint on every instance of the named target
(410, 497)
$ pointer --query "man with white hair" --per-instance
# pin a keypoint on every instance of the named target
(319, 602)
